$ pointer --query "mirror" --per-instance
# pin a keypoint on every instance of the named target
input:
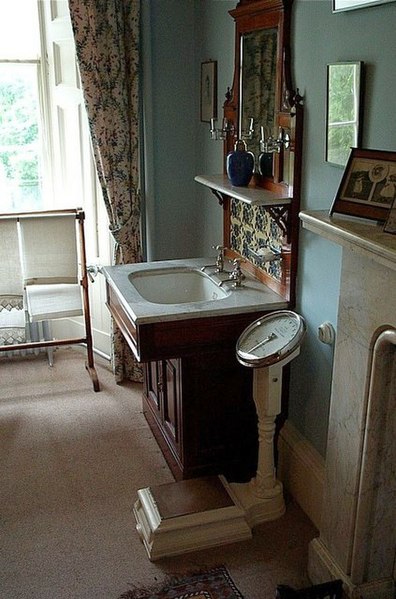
(262, 102)
(343, 113)
(258, 85)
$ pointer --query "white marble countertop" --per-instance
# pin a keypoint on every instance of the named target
(358, 235)
(254, 296)
(256, 196)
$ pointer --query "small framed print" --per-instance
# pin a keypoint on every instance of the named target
(343, 110)
(390, 225)
(368, 185)
(208, 90)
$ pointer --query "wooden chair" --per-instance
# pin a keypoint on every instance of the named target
(53, 258)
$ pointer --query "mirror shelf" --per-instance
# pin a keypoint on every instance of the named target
(255, 196)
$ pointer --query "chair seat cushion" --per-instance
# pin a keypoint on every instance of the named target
(48, 302)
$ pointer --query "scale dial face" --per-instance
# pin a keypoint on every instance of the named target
(270, 339)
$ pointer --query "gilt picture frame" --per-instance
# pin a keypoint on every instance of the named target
(342, 5)
(208, 102)
(368, 185)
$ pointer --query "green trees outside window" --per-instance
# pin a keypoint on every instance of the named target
(20, 147)
(343, 110)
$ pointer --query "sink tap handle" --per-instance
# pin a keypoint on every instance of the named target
(237, 263)
(220, 257)
(237, 274)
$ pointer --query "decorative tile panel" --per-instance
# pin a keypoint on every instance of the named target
(252, 228)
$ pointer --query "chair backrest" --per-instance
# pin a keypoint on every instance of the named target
(49, 249)
(11, 282)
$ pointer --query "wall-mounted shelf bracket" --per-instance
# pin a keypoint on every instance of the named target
(278, 207)
(220, 196)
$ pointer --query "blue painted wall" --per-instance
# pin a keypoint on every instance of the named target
(321, 37)
(185, 219)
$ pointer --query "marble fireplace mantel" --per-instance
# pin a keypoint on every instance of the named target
(358, 527)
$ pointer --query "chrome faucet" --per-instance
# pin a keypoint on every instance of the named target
(236, 276)
(219, 264)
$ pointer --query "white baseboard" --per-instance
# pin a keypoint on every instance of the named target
(301, 470)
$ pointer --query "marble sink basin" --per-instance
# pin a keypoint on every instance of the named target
(176, 286)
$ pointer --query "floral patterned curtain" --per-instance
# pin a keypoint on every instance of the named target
(106, 33)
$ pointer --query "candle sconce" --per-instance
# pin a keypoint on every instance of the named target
(247, 133)
(271, 144)
(221, 134)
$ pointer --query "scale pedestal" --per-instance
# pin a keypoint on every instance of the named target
(262, 497)
(207, 512)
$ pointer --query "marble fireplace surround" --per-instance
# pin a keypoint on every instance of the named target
(357, 540)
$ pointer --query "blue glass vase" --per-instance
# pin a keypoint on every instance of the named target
(240, 165)
(265, 162)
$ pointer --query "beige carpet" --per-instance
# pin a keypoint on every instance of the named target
(71, 461)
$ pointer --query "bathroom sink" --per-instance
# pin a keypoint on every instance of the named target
(172, 307)
(176, 286)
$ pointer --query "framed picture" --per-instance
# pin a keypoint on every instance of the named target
(208, 90)
(343, 110)
(341, 5)
(390, 225)
(368, 185)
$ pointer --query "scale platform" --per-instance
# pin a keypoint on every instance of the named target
(189, 515)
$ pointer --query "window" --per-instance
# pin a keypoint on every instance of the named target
(45, 150)
(22, 167)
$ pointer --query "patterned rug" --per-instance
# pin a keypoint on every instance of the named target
(213, 584)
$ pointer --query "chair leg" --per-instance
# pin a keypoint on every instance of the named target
(89, 365)
(94, 376)
(34, 334)
(47, 333)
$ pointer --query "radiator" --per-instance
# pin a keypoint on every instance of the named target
(34, 331)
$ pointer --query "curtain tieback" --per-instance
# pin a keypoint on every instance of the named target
(122, 233)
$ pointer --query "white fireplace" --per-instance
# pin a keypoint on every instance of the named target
(357, 541)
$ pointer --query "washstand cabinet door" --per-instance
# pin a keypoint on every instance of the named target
(162, 399)
(171, 413)
(153, 386)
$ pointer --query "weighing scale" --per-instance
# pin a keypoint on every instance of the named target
(267, 345)
(185, 516)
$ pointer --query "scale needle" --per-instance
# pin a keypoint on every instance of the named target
(269, 338)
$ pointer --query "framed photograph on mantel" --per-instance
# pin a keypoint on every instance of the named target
(368, 185)
(341, 5)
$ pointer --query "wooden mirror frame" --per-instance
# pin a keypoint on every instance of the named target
(249, 16)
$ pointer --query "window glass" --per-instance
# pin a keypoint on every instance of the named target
(20, 135)
(19, 30)
(20, 115)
